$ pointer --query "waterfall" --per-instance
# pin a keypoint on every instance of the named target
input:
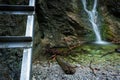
(93, 20)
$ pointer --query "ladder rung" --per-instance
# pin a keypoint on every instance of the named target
(15, 39)
(17, 12)
(15, 44)
(16, 8)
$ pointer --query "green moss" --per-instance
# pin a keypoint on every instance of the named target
(104, 31)
(93, 53)
(90, 4)
(90, 36)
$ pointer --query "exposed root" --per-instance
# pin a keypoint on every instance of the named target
(90, 66)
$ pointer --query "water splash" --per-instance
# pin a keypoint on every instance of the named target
(93, 20)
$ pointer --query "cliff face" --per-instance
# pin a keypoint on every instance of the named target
(66, 17)
(113, 7)
(60, 20)
(110, 11)
(58, 16)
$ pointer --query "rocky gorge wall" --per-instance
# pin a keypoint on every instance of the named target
(111, 20)
(68, 18)
(60, 21)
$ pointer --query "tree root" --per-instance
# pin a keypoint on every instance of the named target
(117, 50)
(90, 66)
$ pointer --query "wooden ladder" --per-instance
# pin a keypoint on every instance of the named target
(26, 41)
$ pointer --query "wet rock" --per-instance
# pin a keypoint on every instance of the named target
(117, 50)
(54, 18)
(113, 7)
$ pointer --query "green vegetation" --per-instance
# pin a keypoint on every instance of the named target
(90, 36)
(104, 31)
(95, 53)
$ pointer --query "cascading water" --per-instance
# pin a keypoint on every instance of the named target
(93, 20)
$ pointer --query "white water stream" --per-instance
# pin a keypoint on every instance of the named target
(93, 20)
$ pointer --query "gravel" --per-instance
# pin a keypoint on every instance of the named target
(44, 71)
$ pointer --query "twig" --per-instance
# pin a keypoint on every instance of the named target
(90, 66)
(107, 54)
(117, 50)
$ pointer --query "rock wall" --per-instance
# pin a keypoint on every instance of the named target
(62, 22)
(59, 24)
(111, 19)
(113, 7)
(58, 16)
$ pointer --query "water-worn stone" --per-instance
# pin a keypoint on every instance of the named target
(117, 50)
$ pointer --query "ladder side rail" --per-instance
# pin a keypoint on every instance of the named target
(27, 53)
